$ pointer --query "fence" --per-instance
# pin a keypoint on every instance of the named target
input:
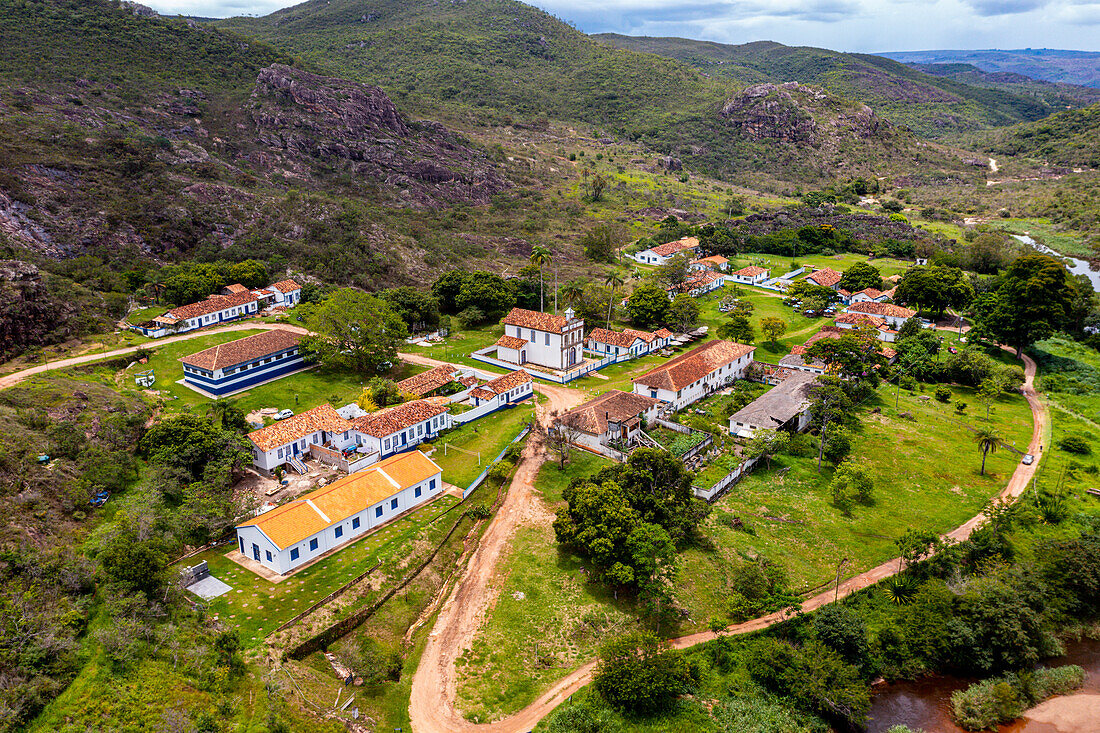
(485, 409)
(481, 477)
(725, 482)
(336, 459)
(483, 356)
(330, 597)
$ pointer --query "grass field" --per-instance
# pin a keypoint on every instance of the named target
(255, 607)
(926, 476)
(488, 435)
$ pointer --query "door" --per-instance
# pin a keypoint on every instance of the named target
(241, 540)
(295, 445)
(255, 552)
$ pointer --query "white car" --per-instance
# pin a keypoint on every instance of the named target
(1028, 459)
(284, 414)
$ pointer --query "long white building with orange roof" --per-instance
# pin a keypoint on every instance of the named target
(303, 529)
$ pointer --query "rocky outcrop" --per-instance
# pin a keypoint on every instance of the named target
(30, 316)
(800, 114)
(303, 117)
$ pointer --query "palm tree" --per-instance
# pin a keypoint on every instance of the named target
(540, 258)
(218, 410)
(988, 440)
(573, 292)
(155, 283)
(613, 280)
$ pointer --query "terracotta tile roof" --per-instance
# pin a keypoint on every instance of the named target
(882, 309)
(687, 368)
(285, 286)
(508, 381)
(511, 342)
(429, 381)
(663, 333)
(236, 288)
(299, 426)
(394, 419)
(616, 338)
(643, 335)
(889, 293)
(751, 271)
(671, 248)
(538, 321)
(716, 259)
(615, 405)
(469, 381)
(242, 350)
(826, 277)
(307, 515)
(213, 304)
(828, 332)
(843, 292)
(871, 293)
(857, 319)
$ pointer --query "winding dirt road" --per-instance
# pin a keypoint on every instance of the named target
(434, 687)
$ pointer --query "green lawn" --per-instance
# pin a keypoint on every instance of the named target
(488, 435)
(781, 265)
(931, 482)
(256, 607)
(141, 315)
(544, 598)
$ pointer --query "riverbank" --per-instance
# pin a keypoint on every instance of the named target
(1079, 713)
(1075, 265)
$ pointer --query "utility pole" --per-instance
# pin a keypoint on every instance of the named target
(839, 565)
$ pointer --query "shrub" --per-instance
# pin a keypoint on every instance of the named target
(943, 394)
(634, 675)
(960, 407)
(1003, 699)
(1075, 444)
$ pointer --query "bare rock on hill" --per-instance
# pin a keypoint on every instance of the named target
(306, 118)
(800, 114)
(31, 315)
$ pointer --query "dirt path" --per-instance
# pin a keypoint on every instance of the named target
(434, 687)
(10, 380)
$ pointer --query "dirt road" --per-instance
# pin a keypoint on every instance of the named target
(10, 380)
(434, 688)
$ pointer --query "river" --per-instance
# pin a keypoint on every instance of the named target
(926, 703)
(1074, 265)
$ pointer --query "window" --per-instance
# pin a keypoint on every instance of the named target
(393, 503)
(340, 531)
(431, 485)
(547, 339)
(294, 554)
(420, 429)
(378, 510)
(386, 444)
(417, 492)
(280, 453)
(268, 553)
(313, 544)
(355, 523)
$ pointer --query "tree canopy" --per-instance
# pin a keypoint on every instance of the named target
(354, 330)
(936, 288)
(648, 306)
(860, 276)
(1035, 298)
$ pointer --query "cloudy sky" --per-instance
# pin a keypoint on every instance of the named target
(845, 25)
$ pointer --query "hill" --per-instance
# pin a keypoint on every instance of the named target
(1070, 138)
(930, 105)
(1068, 67)
(1057, 95)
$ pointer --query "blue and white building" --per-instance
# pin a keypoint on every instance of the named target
(237, 365)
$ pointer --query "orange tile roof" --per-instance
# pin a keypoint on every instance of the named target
(826, 277)
(511, 342)
(871, 293)
(687, 368)
(242, 350)
(751, 271)
(501, 384)
(860, 318)
(882, 309)
(285, 286)
(616, 338)
(663, 333)
(429, 381)
(643, 335)
(393, 419)
(299, 426)
(212, 304)
(592, 417)
(717, 259)
(537, 320)
(307, 515)
(671, 248)
(236, 288)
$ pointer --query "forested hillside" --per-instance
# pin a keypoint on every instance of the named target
(1070, 138)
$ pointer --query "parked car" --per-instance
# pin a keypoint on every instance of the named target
(1028, 459)
(284, 414)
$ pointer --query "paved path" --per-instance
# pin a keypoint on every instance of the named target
(10, 380)
(434, 688)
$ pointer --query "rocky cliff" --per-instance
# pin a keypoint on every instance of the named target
(305, 119)
(31, 316)
(801, 114)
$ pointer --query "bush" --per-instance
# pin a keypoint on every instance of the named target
(1075, 444)
(634, 675)
(1003, 699)
(960, 407)
(943, 394)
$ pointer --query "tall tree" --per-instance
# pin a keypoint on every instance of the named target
(860, 276)
(540, 258)
(988, 440)
(773, 327)
(354, 330)
(647, 306)
(1035, 298)
(936, 288)
(612, 280)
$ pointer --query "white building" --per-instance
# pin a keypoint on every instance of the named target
(698, 283)
(825, 277)
(287, 293)
(871, 295)
(279, 443)
(751, 275)
(894, 315)
(304, 529)
(694, 375)
(607, 342)
(661, 254)
(542, 339)
(785, 407)
(614, 416)
(852, 321)
(718, 263)
(399, 428)
(240, 364)
(504, 390)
